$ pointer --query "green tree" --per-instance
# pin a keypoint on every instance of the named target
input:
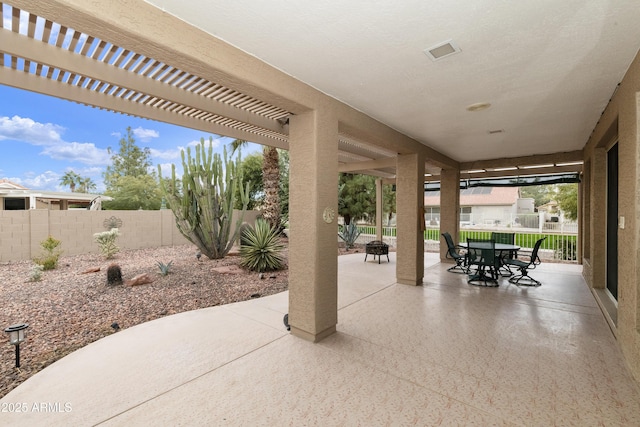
(356, 197)
(70, 179)
(128, 179)
(134, 192)
(252, 176)
(130, 160)
(388, 202)
(567, 198)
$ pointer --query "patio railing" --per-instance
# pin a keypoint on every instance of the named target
(558, 245)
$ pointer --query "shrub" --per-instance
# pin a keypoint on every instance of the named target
(263, 249)
(35, 274)
(49, 260)
(349, 233)
(164, 268)
(107, 242)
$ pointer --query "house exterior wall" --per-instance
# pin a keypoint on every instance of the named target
(21, 232)
(621, 119)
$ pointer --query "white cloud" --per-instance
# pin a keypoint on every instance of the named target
(45, 180)
(86, 153)
(49, 136)
(171, 154)
(145, 134)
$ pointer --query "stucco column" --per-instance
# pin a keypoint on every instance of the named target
(449, 208)
(313, 206)
(379, 208)
(410, 219)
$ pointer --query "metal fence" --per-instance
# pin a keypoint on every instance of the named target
(559, 245)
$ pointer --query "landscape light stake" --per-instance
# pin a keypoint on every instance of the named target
(17, 334)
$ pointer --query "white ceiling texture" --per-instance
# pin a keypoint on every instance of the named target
(546, 67)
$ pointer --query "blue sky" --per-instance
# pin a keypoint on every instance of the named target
(41, 138)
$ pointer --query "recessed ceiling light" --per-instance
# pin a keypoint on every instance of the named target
(478, 106)
(508, 168)
(442, 50)
(475, 171)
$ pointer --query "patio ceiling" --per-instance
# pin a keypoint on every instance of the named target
(546, 69)
(56, 60)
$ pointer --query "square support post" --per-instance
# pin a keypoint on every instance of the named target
(410, 222)
(449, 208)
(313, 207)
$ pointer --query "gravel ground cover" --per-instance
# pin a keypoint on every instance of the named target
(68, 308)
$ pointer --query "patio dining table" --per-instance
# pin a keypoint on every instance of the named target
(504, 249)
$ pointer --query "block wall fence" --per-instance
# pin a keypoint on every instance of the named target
(21, 232)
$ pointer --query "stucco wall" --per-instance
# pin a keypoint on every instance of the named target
(21, 232)
(619, 118)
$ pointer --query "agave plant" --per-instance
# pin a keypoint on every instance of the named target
(349, 233)
(261, 248)
(164, 268)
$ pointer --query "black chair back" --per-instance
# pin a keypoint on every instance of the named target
(508, 238)
(450, 245)
(534, 253)
(482, 252)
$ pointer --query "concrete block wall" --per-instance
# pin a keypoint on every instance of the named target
(21, 232)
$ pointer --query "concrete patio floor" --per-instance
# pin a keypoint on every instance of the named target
(445, 353)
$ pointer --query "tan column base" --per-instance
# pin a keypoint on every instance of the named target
(313, 337)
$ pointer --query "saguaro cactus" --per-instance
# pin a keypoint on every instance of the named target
(204, 205)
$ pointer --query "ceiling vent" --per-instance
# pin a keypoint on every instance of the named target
(442, 50)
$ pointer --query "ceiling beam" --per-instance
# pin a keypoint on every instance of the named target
(371, 164)
(516, 172)
(43, 53)
(539, 159)
(22, 80)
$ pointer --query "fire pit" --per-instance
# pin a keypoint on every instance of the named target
(376, 248)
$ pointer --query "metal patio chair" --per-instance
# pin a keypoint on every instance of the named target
(453, 252)
(525, 266)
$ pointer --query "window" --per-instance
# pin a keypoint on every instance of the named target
(12, 204)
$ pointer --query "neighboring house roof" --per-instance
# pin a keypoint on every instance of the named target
(11, 189)
(549, 206)
(479, 196)
(6, 184)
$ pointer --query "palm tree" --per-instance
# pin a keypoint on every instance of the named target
(86, 185)
(270, 180)
(70, 178)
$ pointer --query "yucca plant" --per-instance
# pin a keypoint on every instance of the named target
(261, 249)
(349, 233)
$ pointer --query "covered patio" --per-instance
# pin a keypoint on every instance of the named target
(444, 353)
(358, 94)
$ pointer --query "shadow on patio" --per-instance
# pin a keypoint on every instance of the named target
(445, 353)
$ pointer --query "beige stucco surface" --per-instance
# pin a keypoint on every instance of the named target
(623, 110)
